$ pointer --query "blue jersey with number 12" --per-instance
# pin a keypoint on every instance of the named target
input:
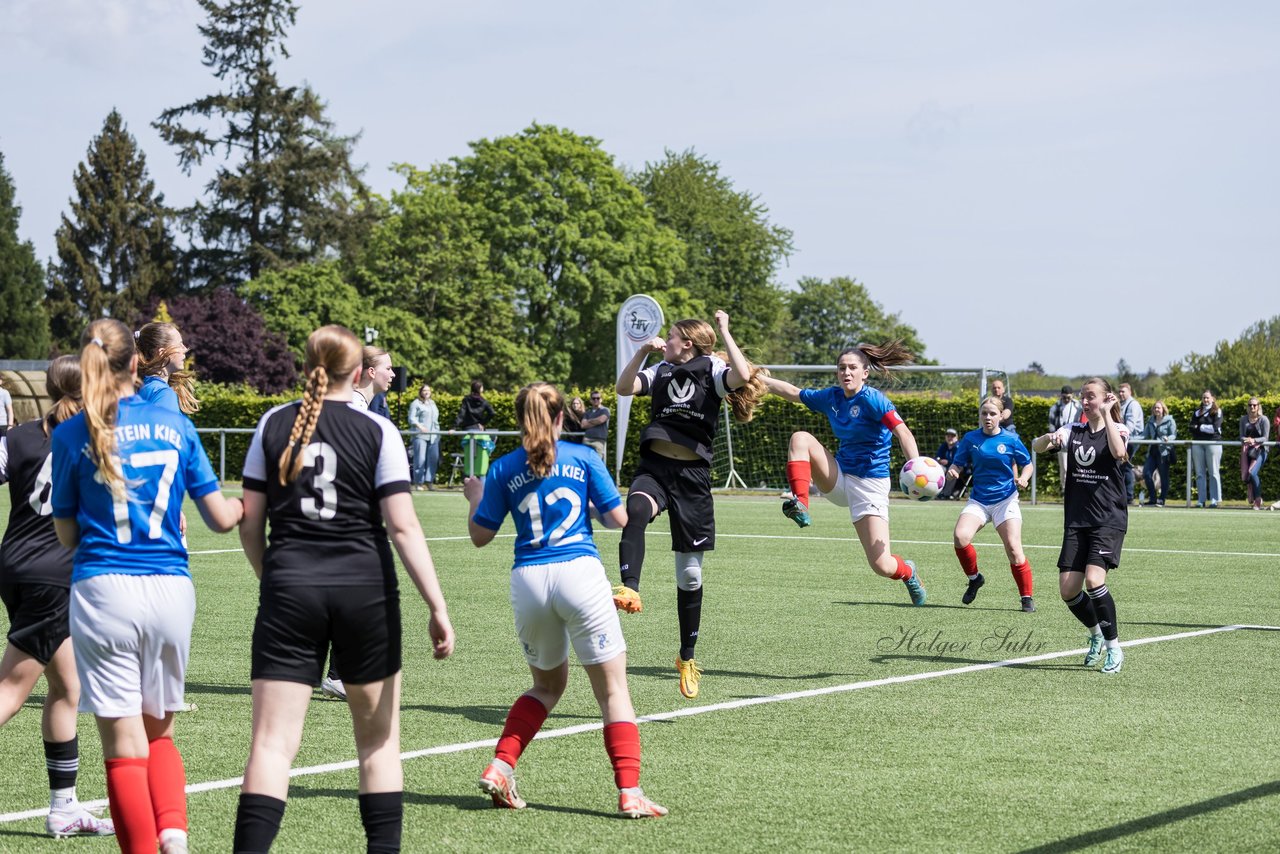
(161, 458)
(552, 522)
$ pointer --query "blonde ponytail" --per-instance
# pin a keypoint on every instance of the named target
(106, 355)
(537, 407)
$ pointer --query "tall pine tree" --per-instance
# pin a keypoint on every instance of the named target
(287, 191)
(114, 248)
(24, 327)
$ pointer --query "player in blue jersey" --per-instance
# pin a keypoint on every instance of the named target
(120, 470)
(1001, 465)
(559, 590)
(327, 475)
(857, 475)
(35, 577)
(161, 355)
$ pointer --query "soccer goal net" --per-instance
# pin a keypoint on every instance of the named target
(930, 399)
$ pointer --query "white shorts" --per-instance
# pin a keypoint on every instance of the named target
(1000, 512)
(132, 636)
(864, 496)
(556, 603)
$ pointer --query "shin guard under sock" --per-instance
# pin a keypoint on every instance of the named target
(622, 743)
(799, 476)
(382, 814)
(1082, 607)
(129, 795)
(168, 781)
(1022, 576)
(1105, 607)
(631, 548)
(689, 608)
(968, 557)
(523, 722)
(258, 819)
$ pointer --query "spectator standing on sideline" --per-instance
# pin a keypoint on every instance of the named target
(1275, 423)
(1006, 415)
(596, 423)
(6, 409)
(1159, 457)
(944, 455)
(1255, 432)
(573, 415)
(1206, 426)
(1131, 413)
(1065, 410)
(475, 413)
(424, 418)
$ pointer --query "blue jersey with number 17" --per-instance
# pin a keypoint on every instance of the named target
(552, 522)
(138, 534)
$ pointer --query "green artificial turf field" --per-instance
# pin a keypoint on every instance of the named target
(833, 715)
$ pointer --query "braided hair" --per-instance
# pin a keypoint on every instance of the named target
(333, 353)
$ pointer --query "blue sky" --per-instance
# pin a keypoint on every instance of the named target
(1066, 182)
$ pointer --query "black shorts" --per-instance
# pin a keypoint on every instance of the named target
(38, 618)
(1083, 547)
(682, 487)
(295, 626)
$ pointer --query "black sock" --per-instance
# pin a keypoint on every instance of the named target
(257, 822)
(383, 816)
(689, 607)
(1105, 607)
(62, 760)
(631, 549)
(333, 666)
(1082, 607)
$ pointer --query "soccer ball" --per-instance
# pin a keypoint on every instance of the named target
(922, 478)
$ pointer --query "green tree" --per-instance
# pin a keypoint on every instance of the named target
(114, 247)
(571, 238)
(24, 326)
(1248, 365)
(732, 251)
(828, 315)
(287, 191)
(426, 258)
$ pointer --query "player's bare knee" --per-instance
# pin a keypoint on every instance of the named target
(689, 570)
(801, 442)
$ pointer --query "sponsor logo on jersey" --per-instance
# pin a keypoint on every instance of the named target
(681, 392)
(1085, 456)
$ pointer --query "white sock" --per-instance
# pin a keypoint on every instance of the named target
(1113, 644)
(62, 798)
(1095, 631)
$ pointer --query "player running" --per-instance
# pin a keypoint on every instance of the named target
(857, 475)
(559, 591)
(1001, 465)
(1095, 516)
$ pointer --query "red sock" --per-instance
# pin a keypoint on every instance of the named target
(968, 557)
(168, 780)
(130, 800)
(799, 475)
(523, 722)
(903, 572)
(622, 741)
(1022, 576)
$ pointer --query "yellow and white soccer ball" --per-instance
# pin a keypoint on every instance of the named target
(922, 478)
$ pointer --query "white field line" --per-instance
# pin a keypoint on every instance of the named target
(849, 539)
(685, 712)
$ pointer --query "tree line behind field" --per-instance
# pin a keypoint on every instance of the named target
(507, 262)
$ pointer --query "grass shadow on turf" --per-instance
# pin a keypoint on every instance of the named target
(669, 673)
(478, 802)
(32, 833)
(492, 715)
(1150, 822)
(908, 605)
(962, 662)
(207, 688)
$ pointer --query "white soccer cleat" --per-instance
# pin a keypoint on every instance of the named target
(77, 821)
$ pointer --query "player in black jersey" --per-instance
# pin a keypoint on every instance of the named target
(1096, 516)
(686, 389)
(35, 583)
(326, 475)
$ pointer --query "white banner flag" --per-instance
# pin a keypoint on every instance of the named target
(639, 320)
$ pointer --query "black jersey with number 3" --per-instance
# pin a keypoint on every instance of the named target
(31, 553)
(326, 526)
(685, 408)
(1095, 493)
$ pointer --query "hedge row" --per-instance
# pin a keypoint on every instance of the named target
(760, 447)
